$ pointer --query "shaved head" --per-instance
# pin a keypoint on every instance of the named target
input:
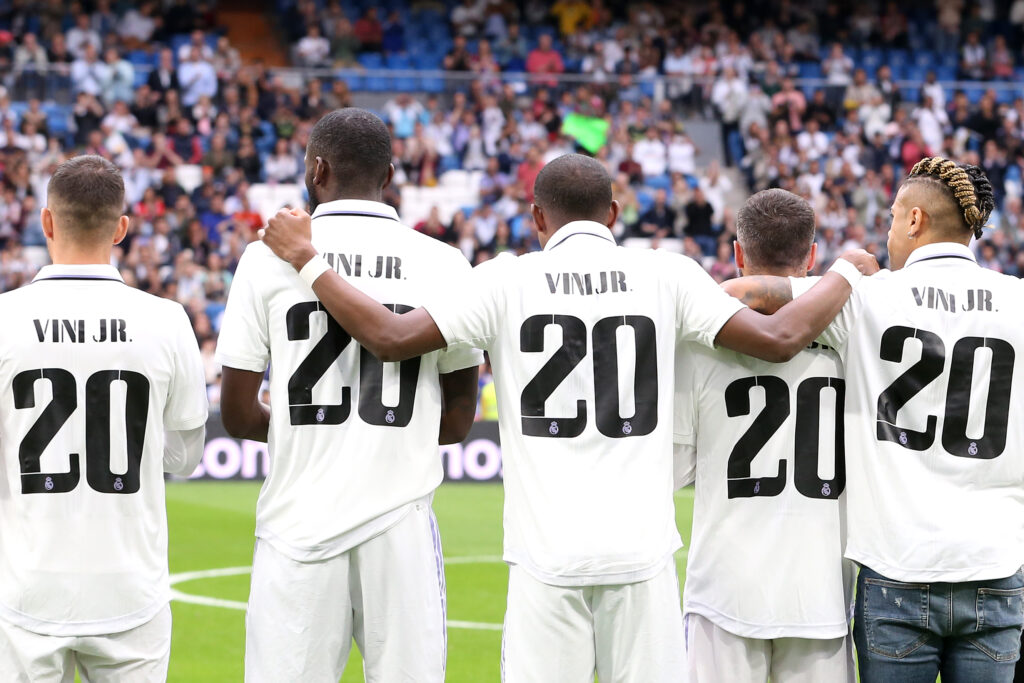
(574, 187)
(935, 201)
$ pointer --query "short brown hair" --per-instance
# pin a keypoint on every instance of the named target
(775, 228)
(86, 193)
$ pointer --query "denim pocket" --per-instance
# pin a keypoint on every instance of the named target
(1000, 617)
(895, 616)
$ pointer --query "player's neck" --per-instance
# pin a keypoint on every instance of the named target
(377, 196)
(776, 272)
(80, 257)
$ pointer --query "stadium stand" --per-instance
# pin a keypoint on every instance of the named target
(834, 105)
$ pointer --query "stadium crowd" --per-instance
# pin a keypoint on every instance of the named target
(832, 105)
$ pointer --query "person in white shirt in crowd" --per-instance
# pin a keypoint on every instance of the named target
(403, 111)
(196, 40)
(715, 185)
(729, 95)
(650, 152)
(678, 67)
(682, 153)
(282, 166)
(931, 120)
(197, 78)
(875, 116)
(119, 81)
(81, 35)
(592, 582)
(313, 49)
(812, 141)
(933, 89)
(88, 73)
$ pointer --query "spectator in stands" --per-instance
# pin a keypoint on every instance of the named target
(699, 221)
(468, 18)
(790, 104)
(973, 60)
(403, 111)
(164, 77)
(137, 25)
(571, 15)
(313, 50)
(659, 220)
(30, 63)
(544, 59)
(651, 153)
(118, 83)
(197, 78)
(459, 58)
(88, 73)
(511, 49)
(344, 44)
(729, 95)
(369, 31)
(81, 35)
(196, 42)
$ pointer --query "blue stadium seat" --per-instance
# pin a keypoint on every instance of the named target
(911, 95)
(371, 60)
(945, 73)
(431, 85)
(354, 81)
(896, 56)
(925, 59)
(915, 72)
(658, 182)
(398, 61)
(809, 69)
(644, 201)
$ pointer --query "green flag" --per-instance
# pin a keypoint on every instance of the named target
(590, 132)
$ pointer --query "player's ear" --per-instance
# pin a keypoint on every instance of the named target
(538, 219)
(813, 257)
(613, 213)
(46, 217)
(391, 175)
(320, 171)
(738, 251)
(122, 229)
(915, 219)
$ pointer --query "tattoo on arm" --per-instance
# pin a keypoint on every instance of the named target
(762, 293)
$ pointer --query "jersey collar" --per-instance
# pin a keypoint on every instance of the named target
(356, 207)
(60, 271)
(940, 250)
(589, 228)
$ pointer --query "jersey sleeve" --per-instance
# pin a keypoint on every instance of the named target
(684, 417)
(838, 331)
(468, 314)
(704, 307)
(187, 404)
(458, 357)
(244, 339)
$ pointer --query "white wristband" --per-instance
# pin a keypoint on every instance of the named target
(313, 269)
(847, 270)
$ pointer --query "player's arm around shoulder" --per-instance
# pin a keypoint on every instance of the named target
(780, 336)
(386, 334)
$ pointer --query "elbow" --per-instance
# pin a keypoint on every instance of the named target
(782, 347)
(234, 424)
(389, 347)
(454, 431)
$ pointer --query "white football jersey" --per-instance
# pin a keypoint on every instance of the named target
(92, 373)
(352, 440)
(582, 341)
(935, 465)
(766, 553)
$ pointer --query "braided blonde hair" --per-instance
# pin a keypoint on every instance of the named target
(968, 185)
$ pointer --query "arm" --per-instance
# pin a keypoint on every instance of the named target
(183, 450)
(458, 390)
(387, 335)
(764, 293)
(242, 413)
(779, 337)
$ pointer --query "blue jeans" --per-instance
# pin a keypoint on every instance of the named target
(911, 632)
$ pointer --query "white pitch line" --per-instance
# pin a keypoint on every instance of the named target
(207, 601)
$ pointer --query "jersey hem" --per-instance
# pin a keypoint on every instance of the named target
(746, 629)
(643, 573)
(84, 628)
(986, 573)
(349, 539)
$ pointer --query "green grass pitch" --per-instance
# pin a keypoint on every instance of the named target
(211, 527)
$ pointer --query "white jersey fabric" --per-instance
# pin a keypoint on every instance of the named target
(91, 374)
(353, 442)
(582, 339)
(934, 357)
(766, 553)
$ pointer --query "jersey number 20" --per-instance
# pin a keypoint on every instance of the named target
(97, 429)
(371, 376)
(769, 421)
(606, 376)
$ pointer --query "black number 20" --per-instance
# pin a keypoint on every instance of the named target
(769, 421)
(606, 376)
(97, 429)
(958, 393)
(371, 376)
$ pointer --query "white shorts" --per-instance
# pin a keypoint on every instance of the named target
(388, 593)
(629, 633)
(714, 654)
(138, 655)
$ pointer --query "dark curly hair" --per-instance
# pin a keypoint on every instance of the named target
(968, 185)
